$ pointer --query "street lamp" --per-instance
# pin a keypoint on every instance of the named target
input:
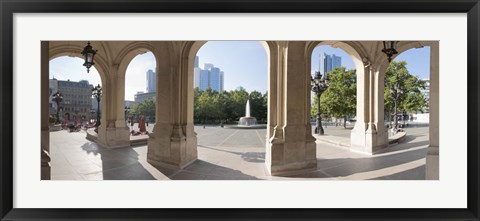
(126, 111)
(389, 49)
(92, 112)
(97, 94)
(88, 53)
(57, 98)
(319, 85)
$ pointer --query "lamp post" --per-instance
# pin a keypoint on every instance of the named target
(88, 53)
(126, 111)
(92, 112)
(319, 85)
(57, 98)
(389, 49)
(97, 94)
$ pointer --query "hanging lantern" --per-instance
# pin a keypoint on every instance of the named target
(389, 49)
(88, 53)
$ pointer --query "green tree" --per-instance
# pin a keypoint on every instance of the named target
(206, 105)
(228, 106)
(197, 112)
(265, 107)
(239, 100)
(340, 99)
(145, 108)
(257, 108)
(223, 105)
(402, 89)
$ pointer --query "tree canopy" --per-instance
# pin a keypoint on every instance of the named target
(146, 108)
(340, 98)
(228, 106)
(403, 88)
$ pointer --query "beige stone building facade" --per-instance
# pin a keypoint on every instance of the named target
(290, 146)
(76, 98)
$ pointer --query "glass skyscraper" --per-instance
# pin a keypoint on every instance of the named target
(151, 81)
(209, 77)
(329, 62)
(215, 79)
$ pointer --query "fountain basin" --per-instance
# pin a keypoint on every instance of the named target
(247, 121)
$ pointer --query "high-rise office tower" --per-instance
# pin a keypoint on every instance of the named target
(209, 77)
(221, 81)
(196, 77)
(215, 79)
(196, 62)
(151, 81)
(329, 62)
(207, 66)
(336, 61)
(204, 79)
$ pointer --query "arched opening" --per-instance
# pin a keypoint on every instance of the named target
(69, 77)
(77, 111)
(337, 92)
(349, 50)
(224, 76)
(407, 103)
(140, 94)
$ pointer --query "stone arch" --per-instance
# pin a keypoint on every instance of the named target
(122, 61)
(353, 50)
(130, 51)
(74, 50)
(189, 53)
(432, 158)
(401, 47)
(356, 53)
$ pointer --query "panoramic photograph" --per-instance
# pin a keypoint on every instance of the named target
(240, 110)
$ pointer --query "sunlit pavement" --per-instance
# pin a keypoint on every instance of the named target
(235, 154)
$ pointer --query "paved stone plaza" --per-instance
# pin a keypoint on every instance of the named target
(236, 154)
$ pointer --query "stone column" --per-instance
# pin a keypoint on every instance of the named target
(291, 148)
(45, 132)
(173, 143)
(432, 160)
(358, 136)
(113, 132)
(273, 70)
(369, 134)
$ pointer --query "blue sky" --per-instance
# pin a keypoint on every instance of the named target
(418, 61)
(243, 62)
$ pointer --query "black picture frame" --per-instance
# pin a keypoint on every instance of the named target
(9, 7)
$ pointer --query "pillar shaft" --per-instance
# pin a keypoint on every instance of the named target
(432, 160)
(113, 132)
(291, 148)
(173, 142)
(45, 136)
(369, 134)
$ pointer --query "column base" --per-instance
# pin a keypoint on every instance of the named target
(432, 167)
(290, 157)
(45, 156)
(369, 141)
(169, 147)
(45, 165)
(113, 137)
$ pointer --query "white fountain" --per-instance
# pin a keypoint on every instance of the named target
(247, 120)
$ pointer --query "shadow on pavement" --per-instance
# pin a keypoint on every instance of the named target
(405, 175)
(202, 170)
(253, 157)
(119, 164)
(344, 167)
